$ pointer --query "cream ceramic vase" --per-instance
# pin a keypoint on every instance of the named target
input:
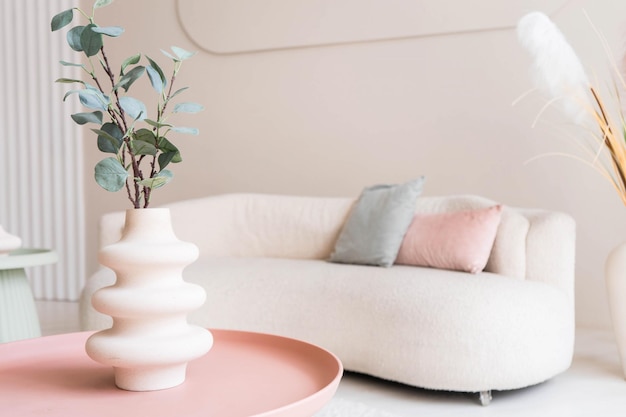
(150, 341)
(615, 275)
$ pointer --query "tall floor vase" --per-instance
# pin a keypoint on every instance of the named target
(616, 287)
(150, 341)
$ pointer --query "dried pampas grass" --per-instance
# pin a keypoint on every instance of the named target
(558, 72)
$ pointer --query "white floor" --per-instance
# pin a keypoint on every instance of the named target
(593, 386)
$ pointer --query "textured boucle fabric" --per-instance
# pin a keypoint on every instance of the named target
(262, 265)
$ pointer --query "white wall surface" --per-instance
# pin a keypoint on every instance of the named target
(330, 119)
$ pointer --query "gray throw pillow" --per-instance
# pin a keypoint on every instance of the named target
(373, 232)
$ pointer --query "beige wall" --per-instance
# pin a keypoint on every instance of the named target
(328, 120)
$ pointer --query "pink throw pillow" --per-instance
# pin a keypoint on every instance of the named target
(459, 240)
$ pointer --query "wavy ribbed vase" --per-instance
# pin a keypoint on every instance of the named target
(150, 341)
(615, 275)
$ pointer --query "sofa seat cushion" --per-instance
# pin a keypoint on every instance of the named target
(425, 327)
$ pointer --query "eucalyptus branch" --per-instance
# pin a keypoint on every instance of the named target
(133, 146)
(115, 91)
(169, 92)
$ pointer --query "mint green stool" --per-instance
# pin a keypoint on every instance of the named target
(18, 314)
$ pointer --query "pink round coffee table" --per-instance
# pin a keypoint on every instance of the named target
(245, 374)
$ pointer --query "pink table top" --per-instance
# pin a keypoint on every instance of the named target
(244, 374)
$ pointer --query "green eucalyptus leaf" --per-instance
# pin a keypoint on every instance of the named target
(93, 99)
(130, 61)
(169, 153)
(69, 93)
(166, 146)
(90, 41)
(177, 92)
(102, 3)
(61, 20)
(112, 31)
(139, 147)
(166, 158)
(157, 124)
(134, 108)
(158, 86)
(145, 135)
(71, 64)
(127, 80)
(83, 118)
(181, 53)
(167, 54)
(156, 66)
(73, 38)
(187, 130)
(188, 108)
(110, 174)
(110, 138)
(68, 81)
(157, 181)
(155, 80)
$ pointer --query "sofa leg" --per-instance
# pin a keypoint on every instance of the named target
(485, 397)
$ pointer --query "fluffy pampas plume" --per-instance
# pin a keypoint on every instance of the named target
(558, 72)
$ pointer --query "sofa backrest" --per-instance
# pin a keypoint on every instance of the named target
(261, 225)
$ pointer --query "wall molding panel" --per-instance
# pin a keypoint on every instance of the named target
(243, 26)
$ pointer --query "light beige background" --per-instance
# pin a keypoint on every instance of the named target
(328, 120)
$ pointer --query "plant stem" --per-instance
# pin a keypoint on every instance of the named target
(122, 124)
(606, 133)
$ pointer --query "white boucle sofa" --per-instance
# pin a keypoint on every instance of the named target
(263, 265)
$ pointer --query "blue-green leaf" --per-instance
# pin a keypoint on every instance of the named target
(110, 138)
(127, 80)
(157, 77)
(145, 135)
(134, 108)
(188, 130)
(73, 38)
(71, 64)
(112, 31)
(157, 124)
(155, 80)
(158, 181)
(130, 61)
(166, 146)
(93, 99)
(83, 118)
(69, 93)
(169, 153)
(68, 81)
(142, 148)
(102, 3)
(110, 174)
(62, 19)
(177, 92)
(167, 54)
(188, 108)
(144, 143)
(166, 158)
(181, 53)
(90, 41)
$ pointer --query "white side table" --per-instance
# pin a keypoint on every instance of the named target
(18, 314)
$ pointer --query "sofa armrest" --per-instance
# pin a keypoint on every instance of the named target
(551, 249)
